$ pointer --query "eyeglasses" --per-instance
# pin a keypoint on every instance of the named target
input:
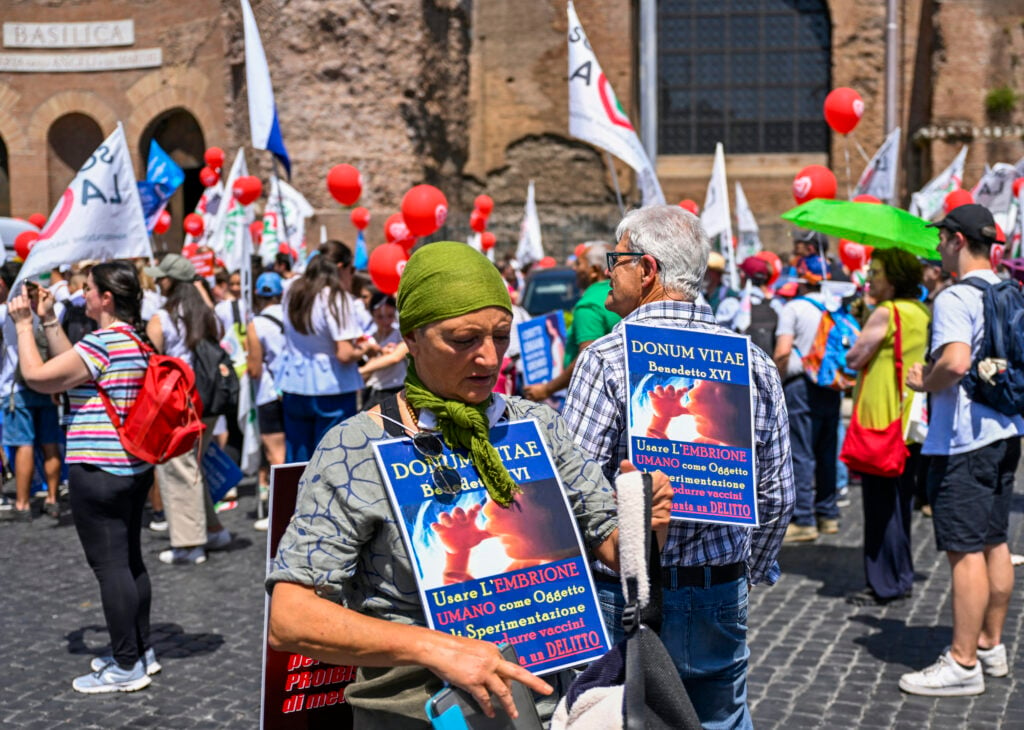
(428, 444)
(611, 259)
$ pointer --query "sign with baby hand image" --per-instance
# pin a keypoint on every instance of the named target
(690, 413)
(514, 574)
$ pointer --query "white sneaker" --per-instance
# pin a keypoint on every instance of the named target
(944, 678)
(262, 525)
(183, 556)
(149, 659)
(993, 661)
(112, 678)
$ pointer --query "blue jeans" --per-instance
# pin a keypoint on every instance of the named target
(814, 439)
(705, 633)
(308, 417)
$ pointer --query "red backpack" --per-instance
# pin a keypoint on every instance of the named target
(166, 419)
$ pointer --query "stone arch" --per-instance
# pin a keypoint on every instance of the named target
(10, 129)
(66, 102)
(70, 140)
(158, 92)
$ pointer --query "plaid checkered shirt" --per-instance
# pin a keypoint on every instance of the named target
(595, 411)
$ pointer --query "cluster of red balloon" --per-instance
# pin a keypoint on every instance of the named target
(210, 175)
(482, 207)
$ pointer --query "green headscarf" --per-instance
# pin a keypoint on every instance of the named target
(441, 281)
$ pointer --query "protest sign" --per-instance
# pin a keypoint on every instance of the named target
(222, 473)
(298, 693)
(690, 414)
(516, 574)
(99, 216)
(542, 348)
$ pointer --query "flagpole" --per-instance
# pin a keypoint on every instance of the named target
(615, 182)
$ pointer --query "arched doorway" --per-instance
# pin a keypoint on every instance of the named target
(70, 141)
(5, 181)
(181, 137)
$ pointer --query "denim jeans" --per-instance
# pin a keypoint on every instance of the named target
(814, 439)
(308, 417)
(705, 633)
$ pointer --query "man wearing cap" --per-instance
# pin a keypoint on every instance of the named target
(657, 269)
(813, 410)
(812, 244)
(974, 453)
(590, 319)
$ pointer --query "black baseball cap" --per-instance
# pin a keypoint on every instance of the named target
(973, 220)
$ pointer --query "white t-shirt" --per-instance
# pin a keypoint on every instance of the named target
(174, 337)
(956, 423)
(272, 340)
(309, 365)
(151, 302)
(799, 318)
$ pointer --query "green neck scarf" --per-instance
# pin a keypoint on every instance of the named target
(465, 426)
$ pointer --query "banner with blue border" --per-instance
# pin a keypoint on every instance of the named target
(690, 410)
(542, 348)
(516, 574)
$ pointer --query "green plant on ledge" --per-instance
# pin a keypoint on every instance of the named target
(1000, 101)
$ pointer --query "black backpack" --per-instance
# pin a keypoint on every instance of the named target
(996, 377)
(763, 321)
(216, 380)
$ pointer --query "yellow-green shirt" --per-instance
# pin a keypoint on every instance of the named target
(876, 397)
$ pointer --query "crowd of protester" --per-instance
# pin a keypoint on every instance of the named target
(323, 347)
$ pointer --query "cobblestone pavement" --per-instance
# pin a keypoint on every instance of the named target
(816, 662)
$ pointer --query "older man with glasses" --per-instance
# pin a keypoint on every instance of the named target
(656, 270)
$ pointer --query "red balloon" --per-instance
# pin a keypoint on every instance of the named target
(360, 218)
(487, 240)
(214, 157)
(690, 205)
(853, 255)
(256, 231)
(246, 189)
(345, 184)
(774, 262)
(865, 198)
(477, 221)
(843, 109)
(395, 229)
(37, 219)
(484, 203)
(814, 181)
(24, 242)
(194, 225)
(163, 223)
(208, 177)
(956, 198)
(386, 265)
(424, 209)
(1016, 188)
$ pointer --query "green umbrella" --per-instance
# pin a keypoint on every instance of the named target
(872, 224)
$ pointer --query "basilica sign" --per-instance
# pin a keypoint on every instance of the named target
(70, 35)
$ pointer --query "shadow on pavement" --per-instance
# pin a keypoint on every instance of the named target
(839, 569)
(169, 640)
(894, 642)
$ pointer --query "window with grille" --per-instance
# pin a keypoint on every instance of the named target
(752, 74)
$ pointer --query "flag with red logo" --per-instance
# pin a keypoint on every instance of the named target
(596, 117)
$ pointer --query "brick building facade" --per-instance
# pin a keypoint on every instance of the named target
(471, 96)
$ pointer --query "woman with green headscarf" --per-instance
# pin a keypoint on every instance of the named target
(343, 586)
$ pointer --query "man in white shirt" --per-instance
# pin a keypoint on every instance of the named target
(974, 450)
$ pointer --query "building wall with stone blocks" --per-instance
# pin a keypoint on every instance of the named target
(472, 96)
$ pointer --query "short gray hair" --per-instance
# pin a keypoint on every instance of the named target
(676, 239)
(595, 253)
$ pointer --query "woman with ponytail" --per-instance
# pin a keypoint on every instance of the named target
(108, 486)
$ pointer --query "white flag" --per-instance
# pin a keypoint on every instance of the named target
(995, 192)
(742, 321)
(715, 216)
(230, 238)
(927, 202)
(530, 248)
(746, 228)
(596, 117)
(99, 216)
(879, 177)
(207, 207)
(296, 210)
